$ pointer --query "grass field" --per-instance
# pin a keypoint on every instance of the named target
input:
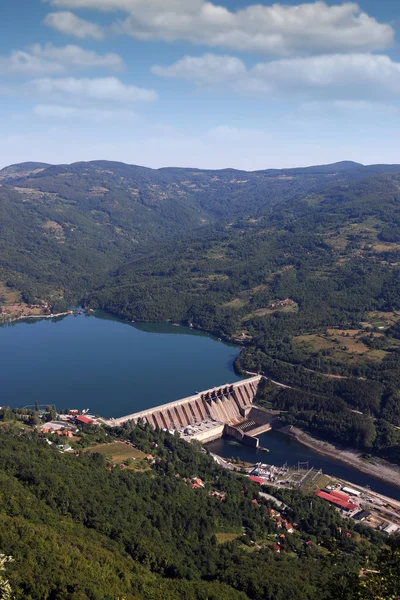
(9, 296)
(13, 305)
(262, 312)
(344, 344)
(235, 303)
(380, 319)
(118, 452)
(222, 538)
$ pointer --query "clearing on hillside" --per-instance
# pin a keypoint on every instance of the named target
(118, 452)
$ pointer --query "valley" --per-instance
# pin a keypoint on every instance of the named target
(300, 269)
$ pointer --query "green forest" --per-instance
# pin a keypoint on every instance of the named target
(76, 528)
(299, 266)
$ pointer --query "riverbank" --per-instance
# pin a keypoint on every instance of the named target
(377, 467)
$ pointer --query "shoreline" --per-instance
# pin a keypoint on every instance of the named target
(24, 317)
(378, 468)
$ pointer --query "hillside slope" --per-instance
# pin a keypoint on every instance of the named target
(62, 228)
(301, 266)
(312, 290)
(79, 529)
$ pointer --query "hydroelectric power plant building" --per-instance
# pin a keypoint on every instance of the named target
(207, 415)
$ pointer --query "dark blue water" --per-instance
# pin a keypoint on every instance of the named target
(116, 368)
(113, 368)
(283, 448)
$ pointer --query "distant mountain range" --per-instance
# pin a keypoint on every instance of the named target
(67, 226)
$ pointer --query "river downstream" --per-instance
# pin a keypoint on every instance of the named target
(284, 449)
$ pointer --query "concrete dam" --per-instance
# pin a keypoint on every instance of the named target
(205, 415)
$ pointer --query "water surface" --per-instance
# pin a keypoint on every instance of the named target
(112, 367)
(284, 449)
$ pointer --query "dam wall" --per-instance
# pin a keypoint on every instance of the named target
(241, 436)
(225, 404)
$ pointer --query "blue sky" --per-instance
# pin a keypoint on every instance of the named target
(228, 83)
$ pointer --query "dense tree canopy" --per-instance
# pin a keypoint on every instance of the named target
(78, 530)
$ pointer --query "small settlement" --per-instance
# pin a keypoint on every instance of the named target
(362, 505)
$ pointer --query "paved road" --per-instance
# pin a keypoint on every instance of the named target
(223, 463)
(288, 387)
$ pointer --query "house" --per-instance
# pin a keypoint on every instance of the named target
(256, 479)
(84, 420)
(391, 528)
(362, 515)
(65, 433)
(277, 548)
(219, 495)
(197, 481)
(64, 447)
(289, 528)
(337, 500)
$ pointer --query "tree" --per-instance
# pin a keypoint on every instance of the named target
(5, 588)
(383, 582)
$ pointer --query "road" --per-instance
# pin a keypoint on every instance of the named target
(223, 463)
(282, 385)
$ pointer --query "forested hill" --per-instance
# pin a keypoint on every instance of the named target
(64, 227)
(312, 290)
(300, 265)
(79, 527)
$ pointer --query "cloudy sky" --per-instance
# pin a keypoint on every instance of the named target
(240, 83)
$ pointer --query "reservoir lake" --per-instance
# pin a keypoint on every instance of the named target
(112, 367)
(115, 368)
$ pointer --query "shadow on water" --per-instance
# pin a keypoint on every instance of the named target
(158, 328)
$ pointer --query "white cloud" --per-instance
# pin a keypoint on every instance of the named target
(206, 69)
(20, 62)
(105, 89)
(337, 76)
(39, 60)
(350, 108)
(77, 114)
(75, 56)
(70, 24)
(280, 30)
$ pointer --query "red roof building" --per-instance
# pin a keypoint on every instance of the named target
(340, 495)
(256, 479)
(85, 420)
(344, 504)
